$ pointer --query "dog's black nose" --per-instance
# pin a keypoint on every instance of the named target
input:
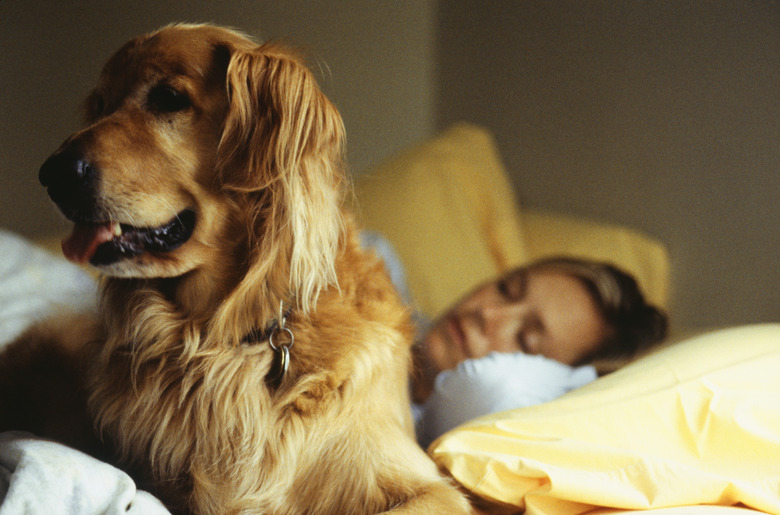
(69, 179)
(66, 169)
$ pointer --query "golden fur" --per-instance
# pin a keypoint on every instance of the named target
(256, 154)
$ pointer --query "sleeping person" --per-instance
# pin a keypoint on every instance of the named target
(523, 338)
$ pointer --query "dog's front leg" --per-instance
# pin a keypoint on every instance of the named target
(42, 388)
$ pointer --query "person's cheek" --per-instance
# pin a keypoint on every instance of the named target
(501, 337)
(438, 354)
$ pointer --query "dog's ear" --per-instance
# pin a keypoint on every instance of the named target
(282, 147)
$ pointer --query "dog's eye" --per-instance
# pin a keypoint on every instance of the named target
(165, 99)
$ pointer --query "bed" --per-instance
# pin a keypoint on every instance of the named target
(694, 427)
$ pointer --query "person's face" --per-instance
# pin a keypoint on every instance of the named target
(539, 312)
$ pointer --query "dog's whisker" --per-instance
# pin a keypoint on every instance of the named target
(174, 213)
(127, 217)
(130, 218)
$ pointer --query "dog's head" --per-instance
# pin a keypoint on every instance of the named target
(197, 142)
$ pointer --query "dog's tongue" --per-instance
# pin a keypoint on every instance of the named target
(82, 244)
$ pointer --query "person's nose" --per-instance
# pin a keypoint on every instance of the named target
(501, 324)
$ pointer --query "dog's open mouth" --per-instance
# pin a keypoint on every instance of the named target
(104, 244)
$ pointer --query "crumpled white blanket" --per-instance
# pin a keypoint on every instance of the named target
(46, 478)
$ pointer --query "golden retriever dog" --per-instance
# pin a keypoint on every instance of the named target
(247, 355)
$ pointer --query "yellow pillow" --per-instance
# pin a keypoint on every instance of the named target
(449, 211)
(697, 422)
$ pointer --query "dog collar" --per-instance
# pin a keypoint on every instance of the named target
(281, 340)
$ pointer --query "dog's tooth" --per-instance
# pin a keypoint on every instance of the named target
(116, 229)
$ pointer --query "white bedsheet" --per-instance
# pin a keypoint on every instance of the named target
(42, 477)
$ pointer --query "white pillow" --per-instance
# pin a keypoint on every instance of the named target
(497, 382)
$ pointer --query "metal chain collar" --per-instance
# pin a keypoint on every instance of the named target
(276, 329)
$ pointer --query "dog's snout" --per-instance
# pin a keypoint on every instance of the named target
(69, 178)
(66, 168)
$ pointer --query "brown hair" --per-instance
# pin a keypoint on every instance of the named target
(634, 324)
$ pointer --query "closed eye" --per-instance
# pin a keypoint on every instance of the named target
(512, 286)
(165, 99)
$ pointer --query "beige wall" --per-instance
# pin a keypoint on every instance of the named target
(659, 115)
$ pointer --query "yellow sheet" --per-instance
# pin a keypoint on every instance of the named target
(695, 423)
